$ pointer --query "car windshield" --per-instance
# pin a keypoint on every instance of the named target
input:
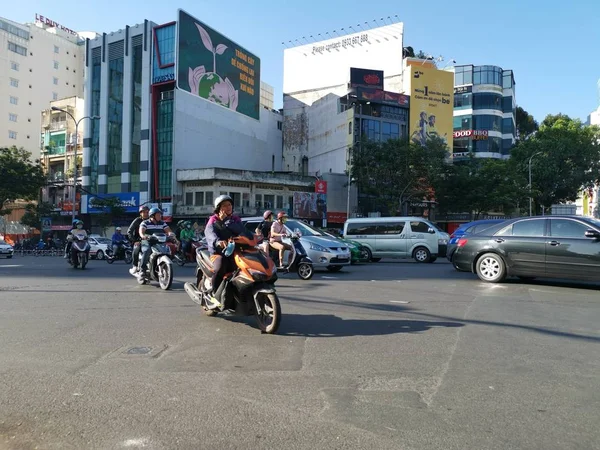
(3, 242)
(595, 222)
(304, 228)
(104, 241)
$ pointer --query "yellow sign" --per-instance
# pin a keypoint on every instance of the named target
(431, 104)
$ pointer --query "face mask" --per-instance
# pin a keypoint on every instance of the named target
(284, 220)
(79, 227)
(188, 227)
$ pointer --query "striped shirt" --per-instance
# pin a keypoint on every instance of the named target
(152, 227)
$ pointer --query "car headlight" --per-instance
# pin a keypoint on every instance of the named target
(351, 246)
(443, 241)
(318, 248)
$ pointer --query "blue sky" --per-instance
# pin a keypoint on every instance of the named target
(552, 46)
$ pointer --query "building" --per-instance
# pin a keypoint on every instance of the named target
(39, 62)
(157, 118)
(484, 112)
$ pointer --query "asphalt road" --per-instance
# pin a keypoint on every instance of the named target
(392, 355)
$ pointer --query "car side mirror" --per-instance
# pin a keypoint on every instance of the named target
(431, 230)
(593, 234)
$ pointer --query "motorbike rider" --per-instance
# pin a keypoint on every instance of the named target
(77, 231)
(279, 231)
(264, 228)
(70, 238)
(186, 237)
(221, 226)
(133, 233)
(117, 240)
(154, 224)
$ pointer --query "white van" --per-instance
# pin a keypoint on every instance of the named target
(398, 237)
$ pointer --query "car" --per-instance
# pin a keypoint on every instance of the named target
(324, 251)
(6, 249)
(565, 247)
(98, 245)
(468, 228)
(358, 252)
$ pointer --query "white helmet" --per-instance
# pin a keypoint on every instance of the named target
(118, 229)
(220, 199)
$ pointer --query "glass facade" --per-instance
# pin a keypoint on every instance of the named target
(508, 126)
(463, 75)
(95, 123)
(115, 122)
(487, 122)
(371, 129)
(164, 143)
(163, 68)
(390, 131)
(136, 116)
(463, 101)
(463, 123)
(487, 75)
(487, 101)
(507, 104)
(508, 79)
(491, 144)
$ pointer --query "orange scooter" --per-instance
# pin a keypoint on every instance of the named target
(248, 290)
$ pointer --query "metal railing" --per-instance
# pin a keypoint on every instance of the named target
(34, 252)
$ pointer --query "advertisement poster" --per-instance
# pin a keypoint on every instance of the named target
(310, 205)
(129, 201)
(431, 105)
(213, 67)
(366, 78)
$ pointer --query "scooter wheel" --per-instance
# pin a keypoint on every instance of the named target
(305, 271)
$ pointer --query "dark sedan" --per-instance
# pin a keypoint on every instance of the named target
(566, 247)
(468, 228)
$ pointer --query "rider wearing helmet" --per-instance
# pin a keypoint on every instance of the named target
(117, 240)
(278, 231)
(186, 236)
(221, 226)
(77, 230)
(265, 226)
(133, 233)
(154, 224)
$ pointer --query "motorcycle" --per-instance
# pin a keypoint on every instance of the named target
(301, 263)
(124, 253)
(79, 254)
(160, 267)
(190, 256)
(248, 290)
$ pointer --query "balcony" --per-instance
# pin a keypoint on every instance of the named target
(55, 150)
(56, 126)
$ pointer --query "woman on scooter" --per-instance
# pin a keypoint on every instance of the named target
(278, 231)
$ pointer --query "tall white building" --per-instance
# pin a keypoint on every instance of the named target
(39, 62)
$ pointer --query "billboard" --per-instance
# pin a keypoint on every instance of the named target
(366, 78)
(431, 104)
(310, 205)
(383, 97)
(130, 201)
(215, 68)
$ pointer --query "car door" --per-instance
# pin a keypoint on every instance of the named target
(523, 245)
(569, 253)
(419, 235)
(391, 239)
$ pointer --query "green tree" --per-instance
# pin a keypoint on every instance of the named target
(526, 124)
(111, 209)
(34, 213)
(20, 178)
(567, 159)
(394, 172)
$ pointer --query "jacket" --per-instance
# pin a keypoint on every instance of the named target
(133, 232)
(221, 230)
(117, 238)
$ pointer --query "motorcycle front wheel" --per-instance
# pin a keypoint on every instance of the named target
(165, 275)
(269, 318)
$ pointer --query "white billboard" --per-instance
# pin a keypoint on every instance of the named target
(327, 63)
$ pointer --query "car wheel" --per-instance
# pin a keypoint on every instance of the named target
(368, 254)
(422, 255)
(100, 255)
(490, 267)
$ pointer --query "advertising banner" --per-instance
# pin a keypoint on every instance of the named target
(383, 97)
(366, 78)
(310, 205)
(217, 69)
(431, 105)
(130, 201)
(321, 187)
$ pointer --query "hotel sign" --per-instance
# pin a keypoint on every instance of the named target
(52, 23)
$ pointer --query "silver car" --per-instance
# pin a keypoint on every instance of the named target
(321, 249)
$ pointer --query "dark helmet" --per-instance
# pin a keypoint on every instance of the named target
(155, 210)
(220, 199)
(143, 208)
(281, 215)
(268, 213)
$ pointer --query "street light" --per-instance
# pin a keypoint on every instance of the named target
(55, 108)
(530, 186)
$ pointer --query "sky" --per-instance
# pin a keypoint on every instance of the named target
(552, 46)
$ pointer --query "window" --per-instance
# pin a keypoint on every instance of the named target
(507, 104)
(507, 125)
(12, 134)
(371, 129)
(280, 202)
(487, 101)
(487, 75)
(55, 80)
(199, 199)
(463, 75)
(390, 131)
(258, 200)
(14, 82)
(12, 117)
(463, 101)
(54, 96)
(390, 228)
(14, 100)
(349, 127)
(487, 122)
(19, 49)
(361, 228)
(189, 198)
(208, 198)
(529, 228)
(419, 227)
(279, 125)
(56, 64)
(565, 228)
(491, 145)
(14, 30)
(269, 201)
(507, 79)
(462, 123)
(56, 49)
(14, 66)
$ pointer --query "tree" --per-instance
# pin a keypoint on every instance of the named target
(408, 52)
(526, 124)
(392, 173)
(111, 209)
(20, 179)
(567, 159)
(34, 214)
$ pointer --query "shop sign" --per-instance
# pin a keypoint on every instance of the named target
(476, 135)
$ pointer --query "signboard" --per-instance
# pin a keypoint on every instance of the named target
(366, 78)
(217, 69)
(463, 89)
(51, 23)
(46, 224)
(61, 227)
(167, 209)
(310, 205)
(384, 97)
(321, 187)
(130, 201)
(336, 217)
(476, 135)
(432, 104)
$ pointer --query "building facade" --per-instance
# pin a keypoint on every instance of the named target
(484, 112)
(39, 63)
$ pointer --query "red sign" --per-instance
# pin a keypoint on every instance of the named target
(477, 135)
(381, 96)
(336, 217)
(321, 187)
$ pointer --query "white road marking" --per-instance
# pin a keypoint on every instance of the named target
(11, 265)
(329, 278)
(138, 443)
(398, 301)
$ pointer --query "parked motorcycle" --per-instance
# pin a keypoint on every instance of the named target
(248, 290)
(300, 262)
(124, 253)
(159, 267)
(190, 256)
(80, 251)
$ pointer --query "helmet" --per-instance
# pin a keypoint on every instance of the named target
(118, 229)
(281, 215)
(155, 210)
(220, 199)
(75, 222)
(268, 213)
(143, 208)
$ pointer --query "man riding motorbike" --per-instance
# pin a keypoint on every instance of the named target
(133, 233)
(278, 231)
(77, 231)
(149, 227)
(221, 226)
(186, 237)
(117, 240)
(265, 229)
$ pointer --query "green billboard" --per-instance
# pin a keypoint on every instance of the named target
(213, 67)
